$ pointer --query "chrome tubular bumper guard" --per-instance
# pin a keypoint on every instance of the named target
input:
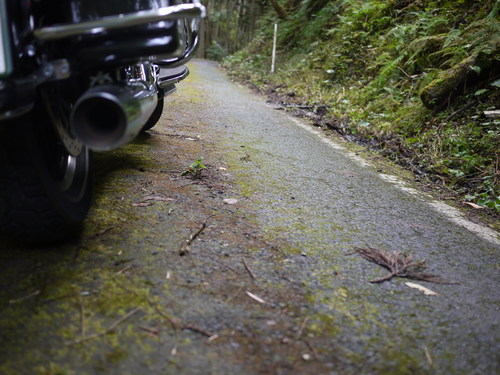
(192, 11)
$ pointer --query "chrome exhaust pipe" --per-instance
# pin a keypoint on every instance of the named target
(109, 116)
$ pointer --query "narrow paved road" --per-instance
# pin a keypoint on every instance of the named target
(250, 267)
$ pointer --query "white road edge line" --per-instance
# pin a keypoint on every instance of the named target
(451, 213)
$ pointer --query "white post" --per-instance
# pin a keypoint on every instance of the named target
(274, 47)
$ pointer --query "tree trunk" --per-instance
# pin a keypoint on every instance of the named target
(451, 82)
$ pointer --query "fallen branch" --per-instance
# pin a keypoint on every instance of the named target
(399, 265)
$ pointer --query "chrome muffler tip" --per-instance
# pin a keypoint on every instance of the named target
(99, 122)
(109, 116)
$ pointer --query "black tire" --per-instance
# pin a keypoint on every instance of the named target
(45, 192)
(155, 117)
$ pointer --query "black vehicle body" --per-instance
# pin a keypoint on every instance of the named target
(78, 76)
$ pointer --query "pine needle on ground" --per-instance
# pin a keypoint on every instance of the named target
(399, 265)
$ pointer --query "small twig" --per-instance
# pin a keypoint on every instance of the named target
(312, 349)
(149, 200)
(152, 331)
(428, 356)
(461, 110)
(124, 269)
(178, 324)
(382, 279)
(248, 268)
(301, 329)
(36, 293)
(197, 329)
(397, 272)
(185, 246)
(406, 74)
(306, 107)
(236, 294)
(110, 329)
(82, 317)
(173, 321)
(83, 243)
(184, 185)
(100, 233)
(230, 268)
(227, 266)
(125, 317)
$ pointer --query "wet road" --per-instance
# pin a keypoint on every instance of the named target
(269, 283)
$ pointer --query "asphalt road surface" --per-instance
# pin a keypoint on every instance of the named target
(250, 265)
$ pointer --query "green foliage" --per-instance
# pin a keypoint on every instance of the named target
(490, 197)
(368, 61)
(215, 52)
(194, 168)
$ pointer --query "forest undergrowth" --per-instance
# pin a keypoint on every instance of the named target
(416, 80)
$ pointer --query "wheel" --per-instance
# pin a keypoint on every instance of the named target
(45, 192)
(155, 117)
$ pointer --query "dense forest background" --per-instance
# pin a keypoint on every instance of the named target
(418, 80)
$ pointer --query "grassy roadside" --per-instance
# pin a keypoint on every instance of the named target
(412, 79)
